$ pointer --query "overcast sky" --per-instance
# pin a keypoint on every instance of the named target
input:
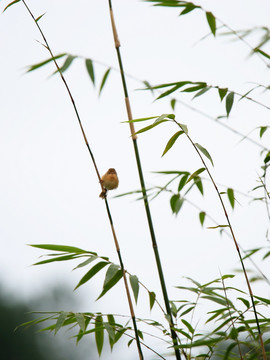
(49, 189)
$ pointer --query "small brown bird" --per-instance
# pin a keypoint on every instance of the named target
(109, 181)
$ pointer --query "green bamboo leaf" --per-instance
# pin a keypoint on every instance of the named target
(66, 64)
(229, 350)
(104, 79)
(45, 62)
(198, 182)
(60, 321)
(81, 320)
(218, 226)
(211, 22)
(197, 87)
(201, 92)
(173, 101)
(90, 69)
(141, 119)
(263, 130)
(111, 331)
(92, 272)
(184, 128)
(172, 141)
(188, 325)
(188, 8)
(152, 298)
(205, 152)
(222, 93)
(229, 102)
(58, 258)
(39, 17)
(113, 275)
(262, 53)
(64, 248)
(99, 333)
(195, 174)
(202, 217)
(176, 203)
(245, 302)
(230, 194)
(156, 123)
(134, 282)
(267, 301)
(215, 299)
(10, 4)
(183, 181)
(173, 89)
(86, 262)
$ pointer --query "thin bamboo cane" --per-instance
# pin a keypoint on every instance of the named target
(132, 313)
(145, 197)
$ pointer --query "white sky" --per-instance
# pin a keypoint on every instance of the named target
(49, 190)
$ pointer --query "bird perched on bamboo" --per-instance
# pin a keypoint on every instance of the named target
(109, 181)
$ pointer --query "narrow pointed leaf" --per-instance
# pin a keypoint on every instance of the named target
(198, 182)
(58, 258)
(99, 333)
(202, 217)
(86, 262)
(110, 331)
(230, 194)
(222, 93)
(183, 181)
(104, 79)
(36, 66)
(201, 92)
(134, 282)
(39, 17)
(263, 130)
(172, 141)
(218, 226)
(173, 101)
(90, 69)
(10, 4)
(64, 248)
(113, 275)
(195, 174)
(66, 64)
(60, 321)
(151, 126)
(188, 325)
(205, 152)
(176, 203)
(92, 272)
(81, 320)
(111, 323)
(211, 22)
(229, 102)
(152, 298)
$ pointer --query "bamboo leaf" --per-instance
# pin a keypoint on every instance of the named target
(151, 126)
(262, 53)
(195, 174)
(229, 102)
(211, 22)
(263, 130)
(152, 298)
(134, 282)
(188, 325)
(81, 320)
(218, 226)
(172, 141)
(183, 181)
(222, 93)
(39, 17)
(188, 8)
(10, 4)
(202, 217)
(92, 272)
(99, 333)
(230, 194)
(205, 152)
(36, 66)
(113, 275)
(58, 258)
(111, 332)
(173, 101)
(198, 182)
(60, 321)
(176, 203)
(90, 69)
(66, 64)
(201, 92)
(103, 81)
(64, 248)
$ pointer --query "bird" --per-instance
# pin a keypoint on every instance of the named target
(109, 181)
